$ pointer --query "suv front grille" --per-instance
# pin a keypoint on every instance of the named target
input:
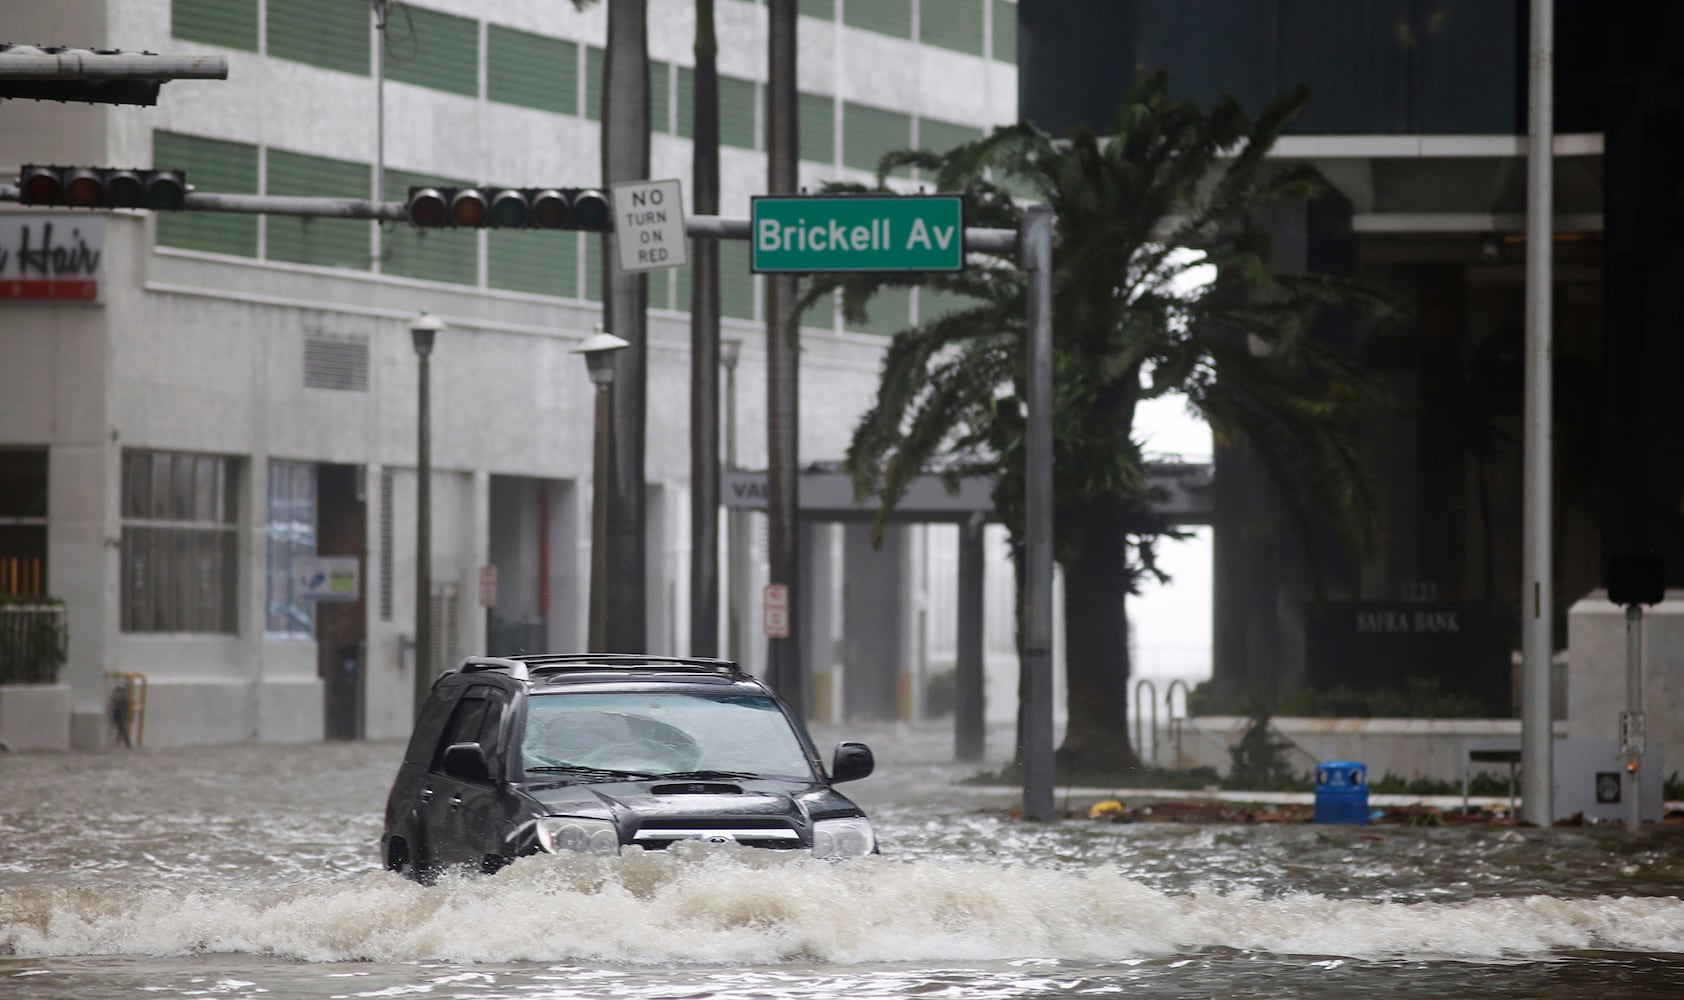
(659, 834)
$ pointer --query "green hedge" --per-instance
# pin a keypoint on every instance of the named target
(33, 639)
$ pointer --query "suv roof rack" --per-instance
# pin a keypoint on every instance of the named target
(516, 669)
(523, 666)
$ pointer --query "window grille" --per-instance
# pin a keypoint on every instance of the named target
(336, 363)
(180, 545)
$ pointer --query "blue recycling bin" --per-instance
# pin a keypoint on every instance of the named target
(1342, 792)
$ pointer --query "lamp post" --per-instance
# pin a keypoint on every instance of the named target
(423, 330)
(598, 352)
(736, 535)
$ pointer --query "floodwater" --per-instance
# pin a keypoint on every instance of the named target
(252, 871)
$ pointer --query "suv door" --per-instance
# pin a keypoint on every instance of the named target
(406, 806)
(462, 812)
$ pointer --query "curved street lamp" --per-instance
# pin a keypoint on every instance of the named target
(598, 352)
(423, 330)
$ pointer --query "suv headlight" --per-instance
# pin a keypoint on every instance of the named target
(577, 835)
(843, 838)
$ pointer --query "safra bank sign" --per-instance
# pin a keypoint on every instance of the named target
(52, 257)
(798, 233)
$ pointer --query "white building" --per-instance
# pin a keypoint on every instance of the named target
(240, 392)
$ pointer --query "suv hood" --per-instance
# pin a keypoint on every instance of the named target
(637, 804)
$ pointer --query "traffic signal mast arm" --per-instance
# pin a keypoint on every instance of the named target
(27, 62)
(715, 226)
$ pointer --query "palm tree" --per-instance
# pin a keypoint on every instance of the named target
(1173, 191)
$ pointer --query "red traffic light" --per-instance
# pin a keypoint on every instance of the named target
(428, 207)
(101, 187)
(39, 186)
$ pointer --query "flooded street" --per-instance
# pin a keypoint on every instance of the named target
(253, 871)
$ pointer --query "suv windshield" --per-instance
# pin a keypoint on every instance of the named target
(662, 733)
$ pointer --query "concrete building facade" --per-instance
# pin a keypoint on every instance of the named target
(225, 401)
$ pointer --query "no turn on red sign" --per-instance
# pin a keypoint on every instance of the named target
(649, 225)
(776, 611)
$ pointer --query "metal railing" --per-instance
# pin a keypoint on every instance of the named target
(1140, 733)
(1177, 723)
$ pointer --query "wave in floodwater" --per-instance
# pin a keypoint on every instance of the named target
(729, 906)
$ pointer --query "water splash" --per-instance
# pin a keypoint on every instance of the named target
(711, 905)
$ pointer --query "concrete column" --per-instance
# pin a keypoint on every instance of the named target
(83, 499)
(876, 617)
(818, 597)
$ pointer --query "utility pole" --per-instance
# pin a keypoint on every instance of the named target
(783, 653)
(1537, 636)
(704, 349)
(625, 157)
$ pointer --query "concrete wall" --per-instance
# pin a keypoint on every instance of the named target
(1596, 676)
(1407, 748)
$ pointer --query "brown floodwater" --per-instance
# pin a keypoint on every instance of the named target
(252, 871)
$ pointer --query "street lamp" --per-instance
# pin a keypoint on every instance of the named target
(598, 352)
(736, 533)
(423, 330)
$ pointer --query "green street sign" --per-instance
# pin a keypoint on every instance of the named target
(802, 233)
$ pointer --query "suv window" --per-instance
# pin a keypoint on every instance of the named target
(478, 719)
(422, 744)
(662, 731)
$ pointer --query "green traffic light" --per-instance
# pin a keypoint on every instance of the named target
(508, 208)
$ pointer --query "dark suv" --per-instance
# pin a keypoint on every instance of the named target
(597, 752)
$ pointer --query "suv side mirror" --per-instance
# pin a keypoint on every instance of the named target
(466, 761)
(851, 762)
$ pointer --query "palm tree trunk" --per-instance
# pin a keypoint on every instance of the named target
(1096, 651)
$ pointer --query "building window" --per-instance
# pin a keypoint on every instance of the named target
(939, 137)
(888, 313)
(1005, 31)
(331, 34)
(817, 116)
(596, 60)
(179, 546)
(292, 536)
(442, 50)
(868, 133)
(738, 101)
(952, 24)
(305, 240)
(532, 71)
(229, 23)
(211, 165)
(737, 106)
(543, 262)
(23, 522)
(886, 17)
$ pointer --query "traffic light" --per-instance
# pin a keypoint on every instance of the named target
(101, 187)
(509, 208)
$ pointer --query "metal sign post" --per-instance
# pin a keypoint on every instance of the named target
(1633, 735)
(1633, 581)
